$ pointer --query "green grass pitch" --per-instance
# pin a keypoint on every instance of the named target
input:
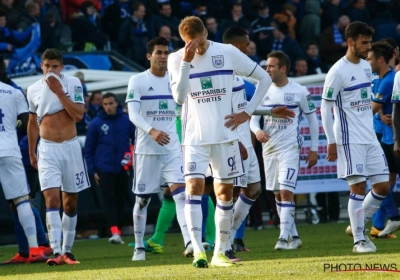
(323, 245)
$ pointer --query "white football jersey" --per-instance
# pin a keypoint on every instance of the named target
(157, 107)
(396, 88)
(285, 134)
(210, 98)
(12, 104)
(239, 103)
(349, 85)
(72, 86)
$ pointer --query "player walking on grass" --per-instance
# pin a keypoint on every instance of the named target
(281, 144)
(56, 104)
(201, 76)
(351, 137)
(158, 156)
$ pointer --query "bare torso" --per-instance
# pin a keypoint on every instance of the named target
(58, 127)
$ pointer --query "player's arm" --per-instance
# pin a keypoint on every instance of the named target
(33, 135)
(278, 112)
(396, 128)
(22, 109)
(260, 134)
(91, 142)
(312, 156)
(74, 110)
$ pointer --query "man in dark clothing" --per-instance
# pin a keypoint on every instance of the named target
(165, 18)
(107, 145)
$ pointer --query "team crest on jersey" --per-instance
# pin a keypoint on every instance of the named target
(141, 187)
(368, 73)
(191, 166)
(218, 61)
(288, 97)
(243, 180)
(360, 168)
(105, 128)
(379, 96)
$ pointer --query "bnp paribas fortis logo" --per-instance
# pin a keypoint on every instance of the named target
(162, 104)
(364, 93)
(206, 83)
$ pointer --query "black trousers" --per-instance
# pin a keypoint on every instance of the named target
(114, 190)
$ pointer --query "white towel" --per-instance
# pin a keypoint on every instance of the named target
(49, 102)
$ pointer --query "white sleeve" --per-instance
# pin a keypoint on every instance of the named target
(77, 91)
(22, 104)
(314, 130)
(179, 72)
(327, 120)
(136, 118)
(255, 124)
(332, 85)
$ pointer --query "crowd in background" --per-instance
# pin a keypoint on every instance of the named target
(310, 32)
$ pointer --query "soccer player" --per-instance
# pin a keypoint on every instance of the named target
(379, 58)
(13, 107)
(281, 143)
(351, 138)
(158, 157)
(56, 103)
(201, 76)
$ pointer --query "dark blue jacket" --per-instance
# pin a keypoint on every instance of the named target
(107, 140)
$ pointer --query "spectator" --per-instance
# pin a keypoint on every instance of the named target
(261, 29)
(283, 42)
(112, 19)
(252, 52)
(95, 103)
(70, 7)
(55, 34)
(200, 10)
(214, 34)
(331, 12)
(333, 44)
(314, 63)
(45, 8)
(87, 33)
(359, 12)
(29, 16)
(107, 144)
(300, 67)
(287, 16)
(165, 17)
(12, 13)
(300, 11)
(236, 18)
(310, 27)
(133, 37)
(11, 39)
(165, 32)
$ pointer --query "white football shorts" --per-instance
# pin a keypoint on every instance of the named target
(61, 165)
(361, 160)
(13, 178)
(252, 170)
(281, 170)
(153, 171)
(225, 160)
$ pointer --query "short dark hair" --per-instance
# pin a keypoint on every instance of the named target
(157, 41)
(281, 26)
(282, 58)
(382, 49)
(52, 54)
(232, 34)
(91, 98)
(108, 95)
(358, 28)
(136, 6)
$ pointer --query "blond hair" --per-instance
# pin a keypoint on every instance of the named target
(191, 26)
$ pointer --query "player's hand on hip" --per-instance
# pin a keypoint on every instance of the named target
(97, 179)
(396, 149)
(262, 136)
(33, 159)
(332, 152)
(243, 151)
(54, 85)
(190, 49)
(387, 119)
(159, 136)
(312, 158)
(282, 112)
(234, 120)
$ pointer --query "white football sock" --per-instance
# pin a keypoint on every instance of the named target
(179, 197)
(356, 215)
(278, 206)
(287, 218)
(27, 220)
(194, 220)
(69, 231)
(223, 224)
(371, 204)
(53, 222)
(293, 230)
(139, 221)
